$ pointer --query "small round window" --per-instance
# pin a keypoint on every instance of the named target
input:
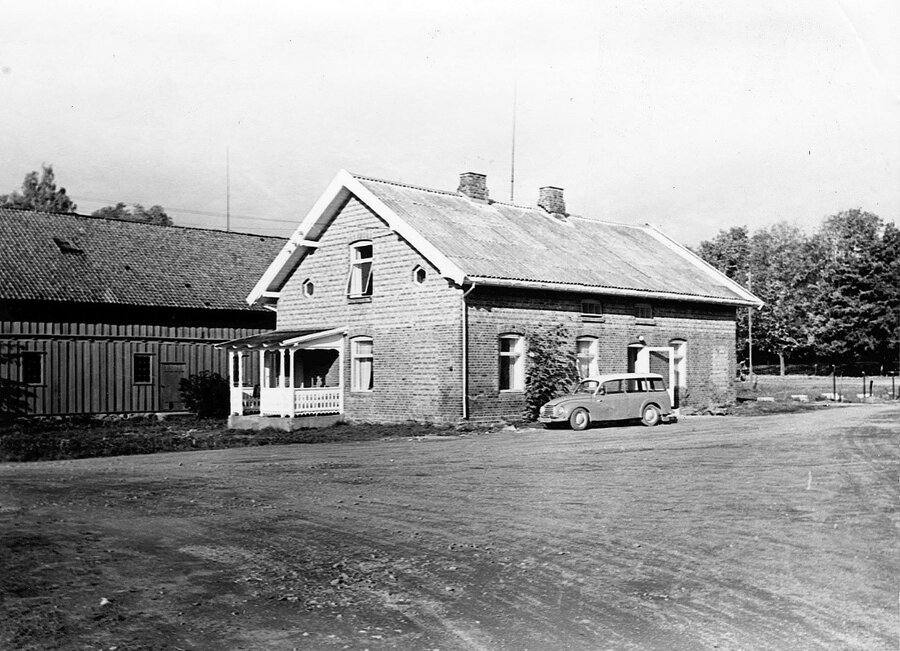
(308, 288)
(419, 275)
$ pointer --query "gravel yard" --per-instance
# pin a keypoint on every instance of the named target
(772, 532)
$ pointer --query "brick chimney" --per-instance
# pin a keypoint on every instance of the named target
(551, 200)
(473, 185)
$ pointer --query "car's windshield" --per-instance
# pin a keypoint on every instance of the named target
(586, 386)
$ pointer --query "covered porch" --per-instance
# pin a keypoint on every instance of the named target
(300, 373)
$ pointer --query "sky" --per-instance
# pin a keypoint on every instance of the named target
(694, 116)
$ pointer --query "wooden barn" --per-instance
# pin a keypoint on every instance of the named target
(100, 316)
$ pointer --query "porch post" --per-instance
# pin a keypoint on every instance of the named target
(236, 395)
(240, 370)
(262, 370)
(282, 383)
(341, 374)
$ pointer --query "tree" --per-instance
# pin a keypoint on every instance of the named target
(729, 252)
(39, 194)
(856, 287)
(137, 213)
(782, 278)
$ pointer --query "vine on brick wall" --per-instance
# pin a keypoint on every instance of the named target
(550, 369)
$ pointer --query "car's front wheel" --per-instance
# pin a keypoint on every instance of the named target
(650, 416)
(580, 419)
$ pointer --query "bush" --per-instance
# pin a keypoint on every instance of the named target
(551, 368)
(206, 394)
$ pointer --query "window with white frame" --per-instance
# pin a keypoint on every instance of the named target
(32, 368)
(361, 364)
(142, 368)
(586, 355)
(360, 283)
(512, 363)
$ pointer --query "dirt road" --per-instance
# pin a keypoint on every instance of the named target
(777, 532)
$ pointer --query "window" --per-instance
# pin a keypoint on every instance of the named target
(643, 311)
(142, 369)
(419, 275)
(512, 363)
(591, 307)
(32, 368)
(360, 283)
(361, 364)
(613, 386)
(657, 385)
(586, 349)
(309, 287)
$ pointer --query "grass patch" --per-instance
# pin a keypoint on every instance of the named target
(79, 438)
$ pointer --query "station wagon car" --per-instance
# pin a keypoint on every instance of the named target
(620, 396)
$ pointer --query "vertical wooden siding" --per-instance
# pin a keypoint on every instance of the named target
(88, 366)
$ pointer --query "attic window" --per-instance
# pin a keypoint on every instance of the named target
(360, 281)
(65, 246)
(419, 275)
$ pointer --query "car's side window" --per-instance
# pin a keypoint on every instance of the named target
(613, 386)
(657, 385)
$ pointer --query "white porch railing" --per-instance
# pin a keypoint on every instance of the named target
(243, 401)
(312, 402)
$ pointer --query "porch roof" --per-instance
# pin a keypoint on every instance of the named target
(278, 338)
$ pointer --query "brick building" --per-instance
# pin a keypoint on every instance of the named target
(397, 302)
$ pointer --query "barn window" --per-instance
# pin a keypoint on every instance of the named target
(586, 355)
(361, 364)
(512, 363)
(360, 283)
(141, 368)
(32, 368)
(643, 311)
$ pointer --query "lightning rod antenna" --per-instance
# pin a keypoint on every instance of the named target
(512, 167)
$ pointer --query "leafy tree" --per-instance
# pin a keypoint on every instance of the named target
(855, 295)
(39, 193)
(551, 367)
(137, 213)
(782, 278)
(729, 252)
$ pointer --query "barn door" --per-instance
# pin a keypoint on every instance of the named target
(660, 360)
(170, 375)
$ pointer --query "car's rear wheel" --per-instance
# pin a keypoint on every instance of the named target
(650, 416)
(580, 419)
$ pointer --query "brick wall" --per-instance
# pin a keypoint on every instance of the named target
(709, 333)
(415, 328)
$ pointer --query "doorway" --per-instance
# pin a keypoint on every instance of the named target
(659, 360)
(170, 376)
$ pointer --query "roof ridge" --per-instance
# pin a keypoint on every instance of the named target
(44, 213)
(491, 202)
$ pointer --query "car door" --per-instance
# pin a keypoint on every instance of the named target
(614, 398)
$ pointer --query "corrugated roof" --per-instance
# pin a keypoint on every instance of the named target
(515, 243)
(73, 258)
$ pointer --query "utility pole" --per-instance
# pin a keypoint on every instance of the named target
(227, 191)
(750, 325)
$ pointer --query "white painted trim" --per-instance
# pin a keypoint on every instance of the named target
(612, 291)
(703, 265)
(326, 207)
